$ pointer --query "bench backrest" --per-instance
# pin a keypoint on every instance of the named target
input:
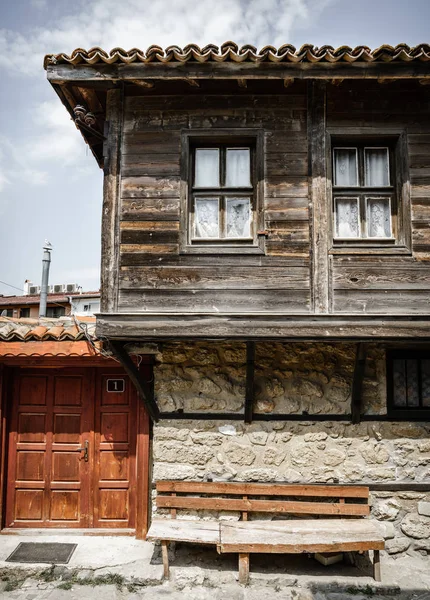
(335, 500)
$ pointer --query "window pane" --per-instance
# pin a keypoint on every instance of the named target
(399, 383)
(238, 167)
(412, 382)
(207, 167)
(377, 173)
(378, 217)
(345, 167)
(238, 217)
(347, 223)
(206, 218)
(425, 374)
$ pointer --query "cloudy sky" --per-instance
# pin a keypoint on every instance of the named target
(50, 185)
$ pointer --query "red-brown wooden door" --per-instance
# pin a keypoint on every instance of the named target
(72, 450)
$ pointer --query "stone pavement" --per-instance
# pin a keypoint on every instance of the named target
(115, 568)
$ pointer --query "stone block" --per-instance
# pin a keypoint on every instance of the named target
(416, 526)
(424, 508)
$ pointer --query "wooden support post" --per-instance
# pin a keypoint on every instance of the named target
(111, 200)
(250, 388)
(318, 189)
(139, 382)
(165, 554)
(243, 568)
(376, 566)
(357, 382)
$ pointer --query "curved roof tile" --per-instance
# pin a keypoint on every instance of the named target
(63, 329)
(231, 52)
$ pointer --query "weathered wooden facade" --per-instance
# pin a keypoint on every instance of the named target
(266, 223)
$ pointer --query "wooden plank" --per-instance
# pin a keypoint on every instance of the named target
(213, 102)
(144, 391)
(382, 302)
(286, 164)
(143, 492)
(357, 382)
(141, 209)
(390, 276)
(286, 187)
(210, 277)
(296, 536)
(165, 555)
(250, 386)
(150, 143)
(150, 187)
(263, 489)
(111, 201)
(204, 300)
(376, 566)
(270, 506)
(175, 530)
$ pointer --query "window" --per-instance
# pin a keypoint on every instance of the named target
(24, 313)
(220, 211)
(87, 307)
(364, 193)
(54, 312)
(408, 376)
(7, 312)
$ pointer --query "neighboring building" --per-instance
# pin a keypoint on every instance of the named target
(59, 302)
(266, 236)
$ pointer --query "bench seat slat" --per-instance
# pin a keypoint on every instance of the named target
(261, 489)
(296, 536)
(271, 506)
(179, 530)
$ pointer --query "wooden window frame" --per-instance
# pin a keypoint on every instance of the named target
(401, 412)
(228, 138)
(398, 191)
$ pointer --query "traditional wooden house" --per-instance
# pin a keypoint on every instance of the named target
(266, 240)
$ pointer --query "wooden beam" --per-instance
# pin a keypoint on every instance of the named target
(258, 326)
(192, 82)
(229, 70)
(357, 383)
(111, 201)
(139, 382)
(142, 83)
(250, 387)
(318, 188)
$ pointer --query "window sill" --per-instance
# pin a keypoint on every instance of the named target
(221, 249)
(370, 248)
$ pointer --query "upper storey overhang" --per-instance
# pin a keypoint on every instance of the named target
(82, 78)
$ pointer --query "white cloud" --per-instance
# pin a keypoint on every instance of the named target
(140, 23)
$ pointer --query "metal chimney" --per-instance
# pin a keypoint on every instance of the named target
(46, 263)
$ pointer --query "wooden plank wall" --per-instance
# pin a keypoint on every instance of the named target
(387, 284)
(154, 276)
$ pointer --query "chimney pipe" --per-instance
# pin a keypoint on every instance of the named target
(46, 263)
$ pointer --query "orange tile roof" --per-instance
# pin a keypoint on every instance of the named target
(62, 329)
(231, 52)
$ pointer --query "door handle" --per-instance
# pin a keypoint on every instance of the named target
(84, 449)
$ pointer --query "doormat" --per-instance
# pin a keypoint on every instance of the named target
(32, 552)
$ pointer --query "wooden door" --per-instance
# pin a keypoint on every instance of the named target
(115, 451)
(48, 474)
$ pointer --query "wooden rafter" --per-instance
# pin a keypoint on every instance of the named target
(143, 389)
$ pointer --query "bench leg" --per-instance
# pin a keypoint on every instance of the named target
(165, 554)
(376, 566)
(243, 568)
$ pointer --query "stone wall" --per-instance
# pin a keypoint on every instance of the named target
(292, 378)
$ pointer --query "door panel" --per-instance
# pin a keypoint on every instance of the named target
(48, 479)
(115, 452)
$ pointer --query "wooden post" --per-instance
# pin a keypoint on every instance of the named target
(250, 390)
(111, 201)
(318, 190)
(165, 554)
(376, 566)
(243, 568)
(357, 382)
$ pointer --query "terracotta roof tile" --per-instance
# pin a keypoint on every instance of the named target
(231, 52)
(62, 329)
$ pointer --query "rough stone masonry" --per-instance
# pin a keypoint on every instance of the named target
(293, 378)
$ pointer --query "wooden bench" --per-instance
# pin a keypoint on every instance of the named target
(289, 536)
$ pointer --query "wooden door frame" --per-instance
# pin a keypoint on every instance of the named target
(143, 475)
